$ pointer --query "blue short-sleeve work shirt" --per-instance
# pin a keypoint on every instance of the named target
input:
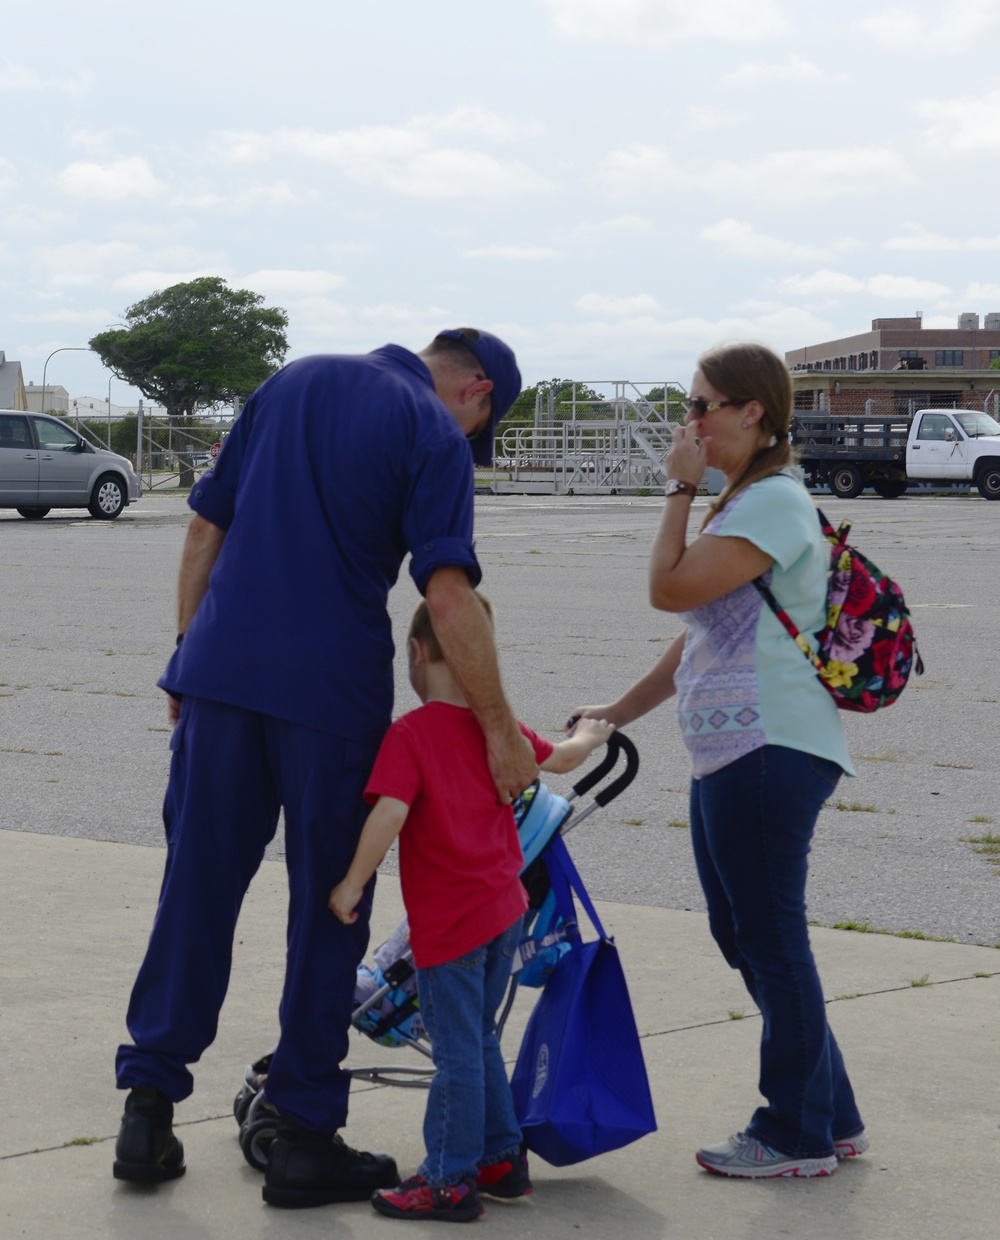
(334, 471)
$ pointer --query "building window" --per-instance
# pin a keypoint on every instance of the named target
(827, 364)
(874, 360)
(949, 357)
(904, 353)
(994, 354)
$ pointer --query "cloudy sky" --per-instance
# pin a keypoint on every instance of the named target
(612, 185)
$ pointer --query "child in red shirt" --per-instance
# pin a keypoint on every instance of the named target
(459, 864)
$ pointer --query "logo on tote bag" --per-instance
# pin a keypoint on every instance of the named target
(541, 1070)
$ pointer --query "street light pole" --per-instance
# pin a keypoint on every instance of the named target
(68, 348)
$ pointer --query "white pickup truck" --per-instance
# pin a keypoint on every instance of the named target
(848, 454)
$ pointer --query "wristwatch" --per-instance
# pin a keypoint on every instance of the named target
(676, 487)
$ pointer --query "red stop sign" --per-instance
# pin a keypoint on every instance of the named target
(214, 450)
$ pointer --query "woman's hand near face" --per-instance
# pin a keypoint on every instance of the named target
(688, 457)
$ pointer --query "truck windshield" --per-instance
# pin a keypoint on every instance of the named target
(977, 424)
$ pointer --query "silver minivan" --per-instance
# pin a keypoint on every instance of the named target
(45, 464)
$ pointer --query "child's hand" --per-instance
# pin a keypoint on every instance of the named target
(594, 731)
(344, 899)
(604, 713)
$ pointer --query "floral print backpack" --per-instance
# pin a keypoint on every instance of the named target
(867, 649)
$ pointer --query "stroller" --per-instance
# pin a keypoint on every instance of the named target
(387, 1007)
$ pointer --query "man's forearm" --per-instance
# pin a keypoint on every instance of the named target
(466, 638)
(465, 635)
(202, 545)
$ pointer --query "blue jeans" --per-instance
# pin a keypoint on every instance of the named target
(751, 827)
(470, 1114)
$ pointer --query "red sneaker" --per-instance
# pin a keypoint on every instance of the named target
(507, 1178)
(415, 1198)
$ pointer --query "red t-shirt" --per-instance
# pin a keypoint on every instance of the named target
(459, 855)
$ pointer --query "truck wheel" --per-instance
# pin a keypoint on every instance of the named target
(988, 482)
(846, 481)
(890, 488)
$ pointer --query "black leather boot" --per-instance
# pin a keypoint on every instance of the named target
(306, 1168)
(146, 1149)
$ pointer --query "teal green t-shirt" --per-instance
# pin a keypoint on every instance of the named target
(742, 682)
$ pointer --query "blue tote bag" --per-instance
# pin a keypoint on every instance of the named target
(579, 1084)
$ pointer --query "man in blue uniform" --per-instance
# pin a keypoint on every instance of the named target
(280, 692)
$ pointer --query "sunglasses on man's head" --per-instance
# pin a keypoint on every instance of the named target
(700, 407)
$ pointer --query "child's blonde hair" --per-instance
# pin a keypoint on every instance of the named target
(422, 629)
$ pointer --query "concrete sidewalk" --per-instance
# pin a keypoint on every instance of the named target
(918, 1023)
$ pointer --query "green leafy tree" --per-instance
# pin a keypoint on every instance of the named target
(198, 344)
(675, 397)
(557, 395)
(995, 364)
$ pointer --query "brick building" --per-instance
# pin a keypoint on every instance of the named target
(899, 366)
(905, 344)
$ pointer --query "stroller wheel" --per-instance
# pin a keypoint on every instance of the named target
(241, 1104)
(256, 1137)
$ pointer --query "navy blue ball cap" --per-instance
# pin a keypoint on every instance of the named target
(498, 362)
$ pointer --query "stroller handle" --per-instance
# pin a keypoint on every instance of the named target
(618, 744)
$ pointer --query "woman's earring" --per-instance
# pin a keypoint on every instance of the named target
(746, 426)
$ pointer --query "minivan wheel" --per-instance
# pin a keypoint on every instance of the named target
(107, 498)
(34, 514)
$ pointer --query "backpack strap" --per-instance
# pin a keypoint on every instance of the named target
(790, 628)
(838, 539)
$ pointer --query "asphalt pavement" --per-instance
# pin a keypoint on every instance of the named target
(86, 617)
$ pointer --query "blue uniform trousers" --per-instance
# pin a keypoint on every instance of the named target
(232, 770)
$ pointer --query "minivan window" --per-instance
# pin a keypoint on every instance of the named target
(54, 437)
(14, 431)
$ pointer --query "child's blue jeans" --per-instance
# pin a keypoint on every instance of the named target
(470, 1115)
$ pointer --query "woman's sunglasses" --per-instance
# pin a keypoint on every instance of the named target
(700, 407)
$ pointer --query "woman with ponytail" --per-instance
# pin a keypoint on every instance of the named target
(765, 739)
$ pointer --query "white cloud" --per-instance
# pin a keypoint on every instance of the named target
(606, 304)
(906, 288)
(980, 294)
(741, 240)
(515, 253)
(123, 178)
(408, 159)
(282, 283)
(84, 262)
(796, 69)
(146, 282)
(664, 23)
(65, 315)
(785, 179)
(275, 194)
(967, 124)
(620, 225)
(23, 80)
(920, 240)
(473, 121)
(826, 284)
(708, 118)
(658, 348)
(957, 26)
(822, 283)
